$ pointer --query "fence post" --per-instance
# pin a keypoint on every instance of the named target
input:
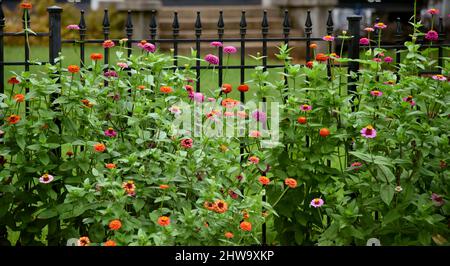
(2, 66)
(54, 13)
(354, 28)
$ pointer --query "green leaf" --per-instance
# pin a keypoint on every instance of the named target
(391, 216)
(138, 204)
(44, 158)
(48, 213)
(387, 193)
(20, 139)
(96, 233)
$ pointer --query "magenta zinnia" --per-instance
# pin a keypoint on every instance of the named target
(317, 202)
(306, 107)
(369, 132)
(110, 133)
(212, 59)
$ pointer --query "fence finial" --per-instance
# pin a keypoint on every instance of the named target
(286, 22)
(330, 23)
(441, 28)
(308, 23)
(106, 19)
(153, 25)
(220, 23)
(265, 22)
(175, 23)
(398, 29)
(129, 24)
(243, 23)
(198, 24)
(82, 23)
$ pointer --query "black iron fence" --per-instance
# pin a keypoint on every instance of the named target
(55, 43)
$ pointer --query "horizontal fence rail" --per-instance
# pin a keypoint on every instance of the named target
(353, 50)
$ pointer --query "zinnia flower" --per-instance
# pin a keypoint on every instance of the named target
(148, 47)
(96, 56)
(229, 49)
(328, 38)
(26, 5)
(110, 165)
(229, 235)
(13, 119)
(398, 189)
(376, 59)
(438, 200)
(432, 35)
(380, 25)
(108, 44)
(129, 187)
(165, 89)
(306, 107)
(290, 182)
(186, 143)
(73, 27)
(439, 77)
(19, 98)
(73, 69)
(255, 134)
(243, 88)
(263, 180)
(99, 147)
(317, 202)
(241, 114)
(369, 132)
(115, 225)
(122, 65)
(212, 59)
(409, 100)
(320, 57)
(246, 226)
(376, 93)
(175, 110)
(46, 178)
(310, 64)
(111, 73)
(83, 241)
(433, 11)
(13, 80)
(313, 46)
(254, 159)
(356, 166)
(364, 41)
(259, 116)
(220, 206)
(199, 97)
(369, 29)
(302, 120)
(110, 132)
(226, 88)
(110, 243)
(164, 221)
(216, 44)
(141, 87)
(388, 59)
(163, 186)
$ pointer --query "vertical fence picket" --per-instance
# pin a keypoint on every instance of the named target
(354, 27)
(442, 35)
(106, 27)
(308, 32)
(243, 32)
(286, 31)
(398, 40)
(198, 33)
(129, 33)
(26, 22)
(153, 27)
(330, 29)
(2, 51)
(82, 32)
(220, 31)
(175, 33)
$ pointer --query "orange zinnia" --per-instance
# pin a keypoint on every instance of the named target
(227, 88)
(163, 186)
(245, 215)
(110, 243)
(110, 165)
(229, 235)
(220, 206)
(313, 46)
(115, 225)
(229, 103)
(73, 69)
(290, 182)
(96, 56)
(13, 80)
(87, 103)
(243, 88)
(141, 87)
(26, 5)
(302, 120)
(264, 180)
(208, 205)
(84, 241)
(13, 119)
(165, 89)
(164, 221)
(19, 98)
(321, 57)
(246, 226)
(99, 147)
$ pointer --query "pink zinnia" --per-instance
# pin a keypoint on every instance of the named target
(228, 114)
(378, 60)
(241, 114)
(438, 200)
(216, 44)
(46, 178)
(110, 73)
(328, 38)
(369, 29)
(186, 143)
(306, 107)
(175, 110)
(364, 41)
(210, 99)
(149, 47)
(432, 35)
(212, 59)
(376, 93)
(254, 160)
(433, 11)
(388, 59)
(108, 44)
(122, 65)
(73, 27)
(369, 132)
(229, 49)
(380, 25)
(110, 133)
(439, 77)
(259, 116)
(409, 100)
(356, 166)
(198, 97)
(317, 202)
(255, 134)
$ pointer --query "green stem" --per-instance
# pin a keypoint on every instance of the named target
(279, 198)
